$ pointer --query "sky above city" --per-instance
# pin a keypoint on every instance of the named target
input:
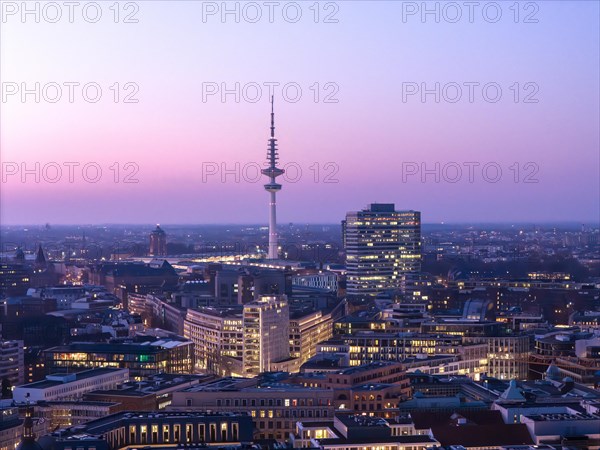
(158, 112)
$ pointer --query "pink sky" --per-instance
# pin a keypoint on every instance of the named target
(369, 135)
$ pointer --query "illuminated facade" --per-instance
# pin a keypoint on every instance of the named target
(142, 359)
(59, 414)
(321, 280)
(507, 353)
(364, 347)
(274, 408)
(123, 430)
(508, 356)
(383, 248)
(426, 352)
(376, 389)
(266, 333)
(307, 331)
(218, 336)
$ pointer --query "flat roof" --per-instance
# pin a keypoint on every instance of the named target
(318, 424)
(121, 392)
(120, 347)
(369, 366)
(562, 416)
(371, 386)
(359, 421)
(81, 403)
(45, 384)
(391, 439)
(99, 426)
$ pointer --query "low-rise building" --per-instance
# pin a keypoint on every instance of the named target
(70, 386)
(316, 279)
(274, 407)
(62, 414)
(143, 357)
(153, 394)
(346, 432)
(415, 350)
(577, 429)
(376, 388)
(159, 430)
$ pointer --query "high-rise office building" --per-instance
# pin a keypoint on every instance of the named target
(383, 248)
(158, 242)
(266, 333)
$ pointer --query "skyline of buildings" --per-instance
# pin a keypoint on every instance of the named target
(321, 326)
(286, 345)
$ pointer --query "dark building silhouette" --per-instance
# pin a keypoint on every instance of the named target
(191, 430)
(40, 258)
(248, 284)
(28, 441)
(20, 256)
(15, 279)
(113, 275)
(158, 242)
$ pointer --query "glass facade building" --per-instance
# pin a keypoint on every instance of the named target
(383, 248)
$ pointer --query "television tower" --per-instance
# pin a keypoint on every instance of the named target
(272, 171)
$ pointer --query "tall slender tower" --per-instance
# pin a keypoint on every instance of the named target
(272, 171)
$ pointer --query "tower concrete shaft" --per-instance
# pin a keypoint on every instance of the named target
(272, 172)
(273, 244)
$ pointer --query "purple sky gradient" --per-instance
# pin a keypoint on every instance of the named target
(368, 136)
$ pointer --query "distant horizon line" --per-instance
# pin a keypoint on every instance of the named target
(284, 224)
